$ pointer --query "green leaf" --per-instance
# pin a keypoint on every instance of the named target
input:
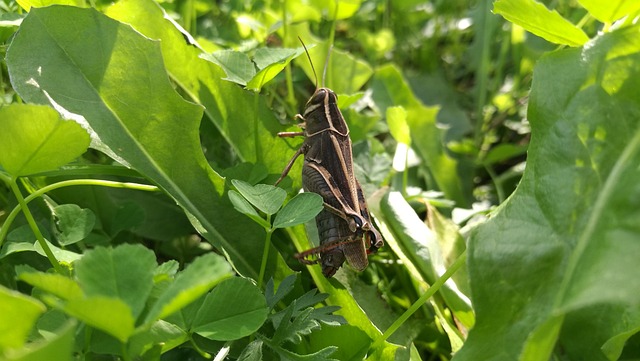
(337, 10)
(108, 314)
(196, 280)
(253, 351)
(271, 61)
(536, 18)
(236, 65)
(28, 4)
(59, 285)
(241, 205)
(572, 222)
(35, 139)
(61, 255)
(265, 197)
(160, 333)
(300, 209)
(234, 309)
(124, 272)
(286, 286)
(291, 328)
(503, 152)
(350, 342)
(18, 313)
(397, 120)
(73, 223)
(145, 124)
(610, 11)
(60, 346)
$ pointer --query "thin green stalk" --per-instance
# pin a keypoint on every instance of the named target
(265, 253)
(34, 227)
(482, 72)
(291, 99)
(425, 296)
(405, 173)
(497, 183)
(202, 352)
(75, 182)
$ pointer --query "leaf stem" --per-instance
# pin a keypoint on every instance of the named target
(265, 253)
(425, 296)
(482, 73)
(34, 227)
(75, 182)
(291, 99)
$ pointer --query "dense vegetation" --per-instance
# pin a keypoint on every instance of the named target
(497, 144)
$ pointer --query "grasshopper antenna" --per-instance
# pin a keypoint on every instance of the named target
(310, 62)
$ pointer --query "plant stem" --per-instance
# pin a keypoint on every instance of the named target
(34, 227)
(291, 99)
(75, 182)
(482, 73)
(265, 253)
(425, 296)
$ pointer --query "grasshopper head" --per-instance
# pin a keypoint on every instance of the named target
(321, 113)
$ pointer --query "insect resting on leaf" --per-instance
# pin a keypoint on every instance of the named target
(344, 225)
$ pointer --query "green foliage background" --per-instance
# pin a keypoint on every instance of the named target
(497, 143)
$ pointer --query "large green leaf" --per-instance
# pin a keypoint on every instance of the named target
(116, 80)
(564, 247)
(610, 11)
(536, 18)
(34, 139)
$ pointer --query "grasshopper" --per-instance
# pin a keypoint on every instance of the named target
(344, 225)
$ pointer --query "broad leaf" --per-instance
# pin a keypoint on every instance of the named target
(236, 65)
(234, 309)
(73, 223)
(108, 314)
(610, 11)
(196, 280)
(35, 139)
(539, 20)
(56, 284)
(565, 244)
(397, 121)
(124, 272)
(265, 197)
(300, 209)
(243, 206)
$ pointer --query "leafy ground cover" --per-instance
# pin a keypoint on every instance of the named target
(498, 146)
